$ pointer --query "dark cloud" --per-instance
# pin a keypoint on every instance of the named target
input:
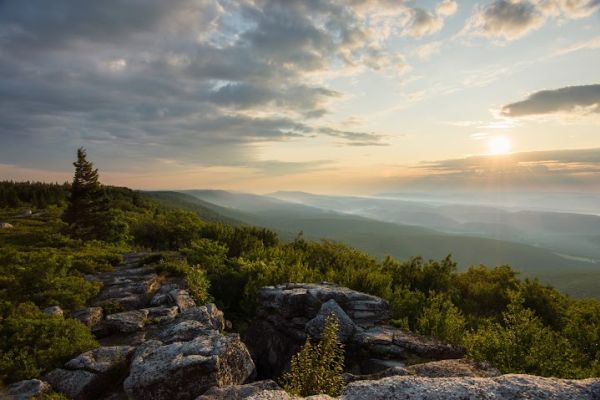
(509, 19)
(568, 100)
(186, 79)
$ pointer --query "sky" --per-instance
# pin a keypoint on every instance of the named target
(355, 96)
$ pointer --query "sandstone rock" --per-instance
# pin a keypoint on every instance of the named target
(239, 392)
(103, 359)
(76, 384)
(182, 299)
(507, 387)
(209, 315)
(128, 321)
(286, 313)
(315, 326)
(185, 370)
(25, 390)
(89, 316)
(6, 225)
(183, 331)
(161, 314)
(450, 368)
(54, 311)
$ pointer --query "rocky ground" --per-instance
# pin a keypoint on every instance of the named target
(159, 344)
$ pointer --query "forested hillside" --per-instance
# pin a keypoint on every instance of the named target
(519, 325)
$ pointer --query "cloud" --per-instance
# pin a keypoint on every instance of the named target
(570, 100)
(513, 19)
(548, 170)
(421, 22)
(200, 81)
(507, 19)
(426, 51)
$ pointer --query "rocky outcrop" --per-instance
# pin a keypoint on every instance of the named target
(156, 342)
(26, 390)
(506, 387)
(287, 314)
(184, 370)
(54, 311)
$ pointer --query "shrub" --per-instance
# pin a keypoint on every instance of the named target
(198, 284)
(441, 319)
(317, 368)
(32, 342)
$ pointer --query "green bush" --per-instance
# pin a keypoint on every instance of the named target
(441, 319)
(317, 368)
(32, 343)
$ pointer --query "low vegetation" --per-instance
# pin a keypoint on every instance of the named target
(318, 367)
(518, 325)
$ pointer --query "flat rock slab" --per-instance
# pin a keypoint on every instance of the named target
(505, 387)
(103, 359)
(77, 384)
(239, 392)
(185, 370)
(25, 390)
(128, 321)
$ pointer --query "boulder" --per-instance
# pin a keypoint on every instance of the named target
(185, 370)
(54, 311)
(239, 392)
(6, 225)
(26, 390)
(103, 359)
(90, 374)
(315, 326)
(506, 387)
(181, 298)
(76, 384)
(89, 316)
(287, 314)
(127, 321)
(449, 368)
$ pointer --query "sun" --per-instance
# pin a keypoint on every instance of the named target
(499, 145)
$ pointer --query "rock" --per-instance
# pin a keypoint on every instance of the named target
(6, 225)
(128, 321)
(103, 359)
(209, 315)
(183, 331)
(90, 374)
(26, 390)
(54, 311)
(161, 314)
(239, 392)
(182, 299)
(26, 213)
(449, 368)
(286, 314)
(76, 384)
(315, 326)
(89, 316)
(506, 387)
(185, 370)
(161, 296)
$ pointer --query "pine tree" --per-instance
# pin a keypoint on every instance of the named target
(86, 200)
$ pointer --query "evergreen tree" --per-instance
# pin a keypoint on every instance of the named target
(86, 200)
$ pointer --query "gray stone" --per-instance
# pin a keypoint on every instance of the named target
(128, 321)
(507, 387)
(26, 390)
(183, 331)
(185, 370)
(76, 384)
(54, 311)
(162, 314)
(239, 392)
(182, 299)
(209, 315)
(315, 326)
(103, 359)
(89, 316)
(450, 368)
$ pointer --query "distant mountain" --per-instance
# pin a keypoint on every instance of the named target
(381, 238)
(565, 233)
